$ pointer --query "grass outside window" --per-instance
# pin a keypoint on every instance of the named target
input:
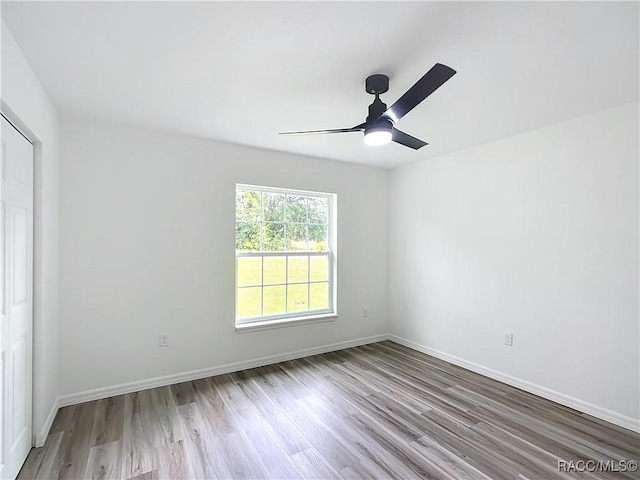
(274, 285)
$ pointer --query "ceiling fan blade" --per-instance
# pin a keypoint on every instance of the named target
(407, 140)
(357, 128)
(429, 83)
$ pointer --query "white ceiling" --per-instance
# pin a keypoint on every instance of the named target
(242, 72)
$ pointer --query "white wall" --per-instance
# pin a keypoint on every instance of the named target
(147, 247)
(26, 104)
(537, 235)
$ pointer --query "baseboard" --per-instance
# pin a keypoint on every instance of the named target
(123, 388)
(616, 418)
(41, 436)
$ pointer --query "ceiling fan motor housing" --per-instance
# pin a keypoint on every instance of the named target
(384, 124)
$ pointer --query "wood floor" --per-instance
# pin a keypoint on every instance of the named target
(377, 411)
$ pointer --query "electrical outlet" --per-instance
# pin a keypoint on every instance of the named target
(508, 339)
(365, 313)
(163, 340)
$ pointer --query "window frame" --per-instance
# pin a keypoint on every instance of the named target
(303, 316)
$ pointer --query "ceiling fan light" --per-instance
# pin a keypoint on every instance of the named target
(377, 136)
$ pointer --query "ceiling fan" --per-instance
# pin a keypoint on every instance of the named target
(379, 127)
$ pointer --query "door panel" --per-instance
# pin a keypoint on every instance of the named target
(19, 389)
(16, 250)
(19, 256)
(3, 254)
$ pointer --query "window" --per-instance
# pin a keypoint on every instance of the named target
(285, 261)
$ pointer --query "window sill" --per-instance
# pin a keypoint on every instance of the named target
(284, 322)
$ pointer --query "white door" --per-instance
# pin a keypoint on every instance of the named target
(16, 259)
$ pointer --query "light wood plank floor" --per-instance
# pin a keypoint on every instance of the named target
(377, 411)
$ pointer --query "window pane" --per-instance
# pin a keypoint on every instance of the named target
(319, 295)
(318, 210)
(273, 237)
(319, 269)
(296, 236)
(298, 270)
(247, 205)
(249, 271)
(297, 297)
(249, 302)
(273, 207)
(274, 270)
(274, 300)
(318, 238)
(247, 236)
(296, 209)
